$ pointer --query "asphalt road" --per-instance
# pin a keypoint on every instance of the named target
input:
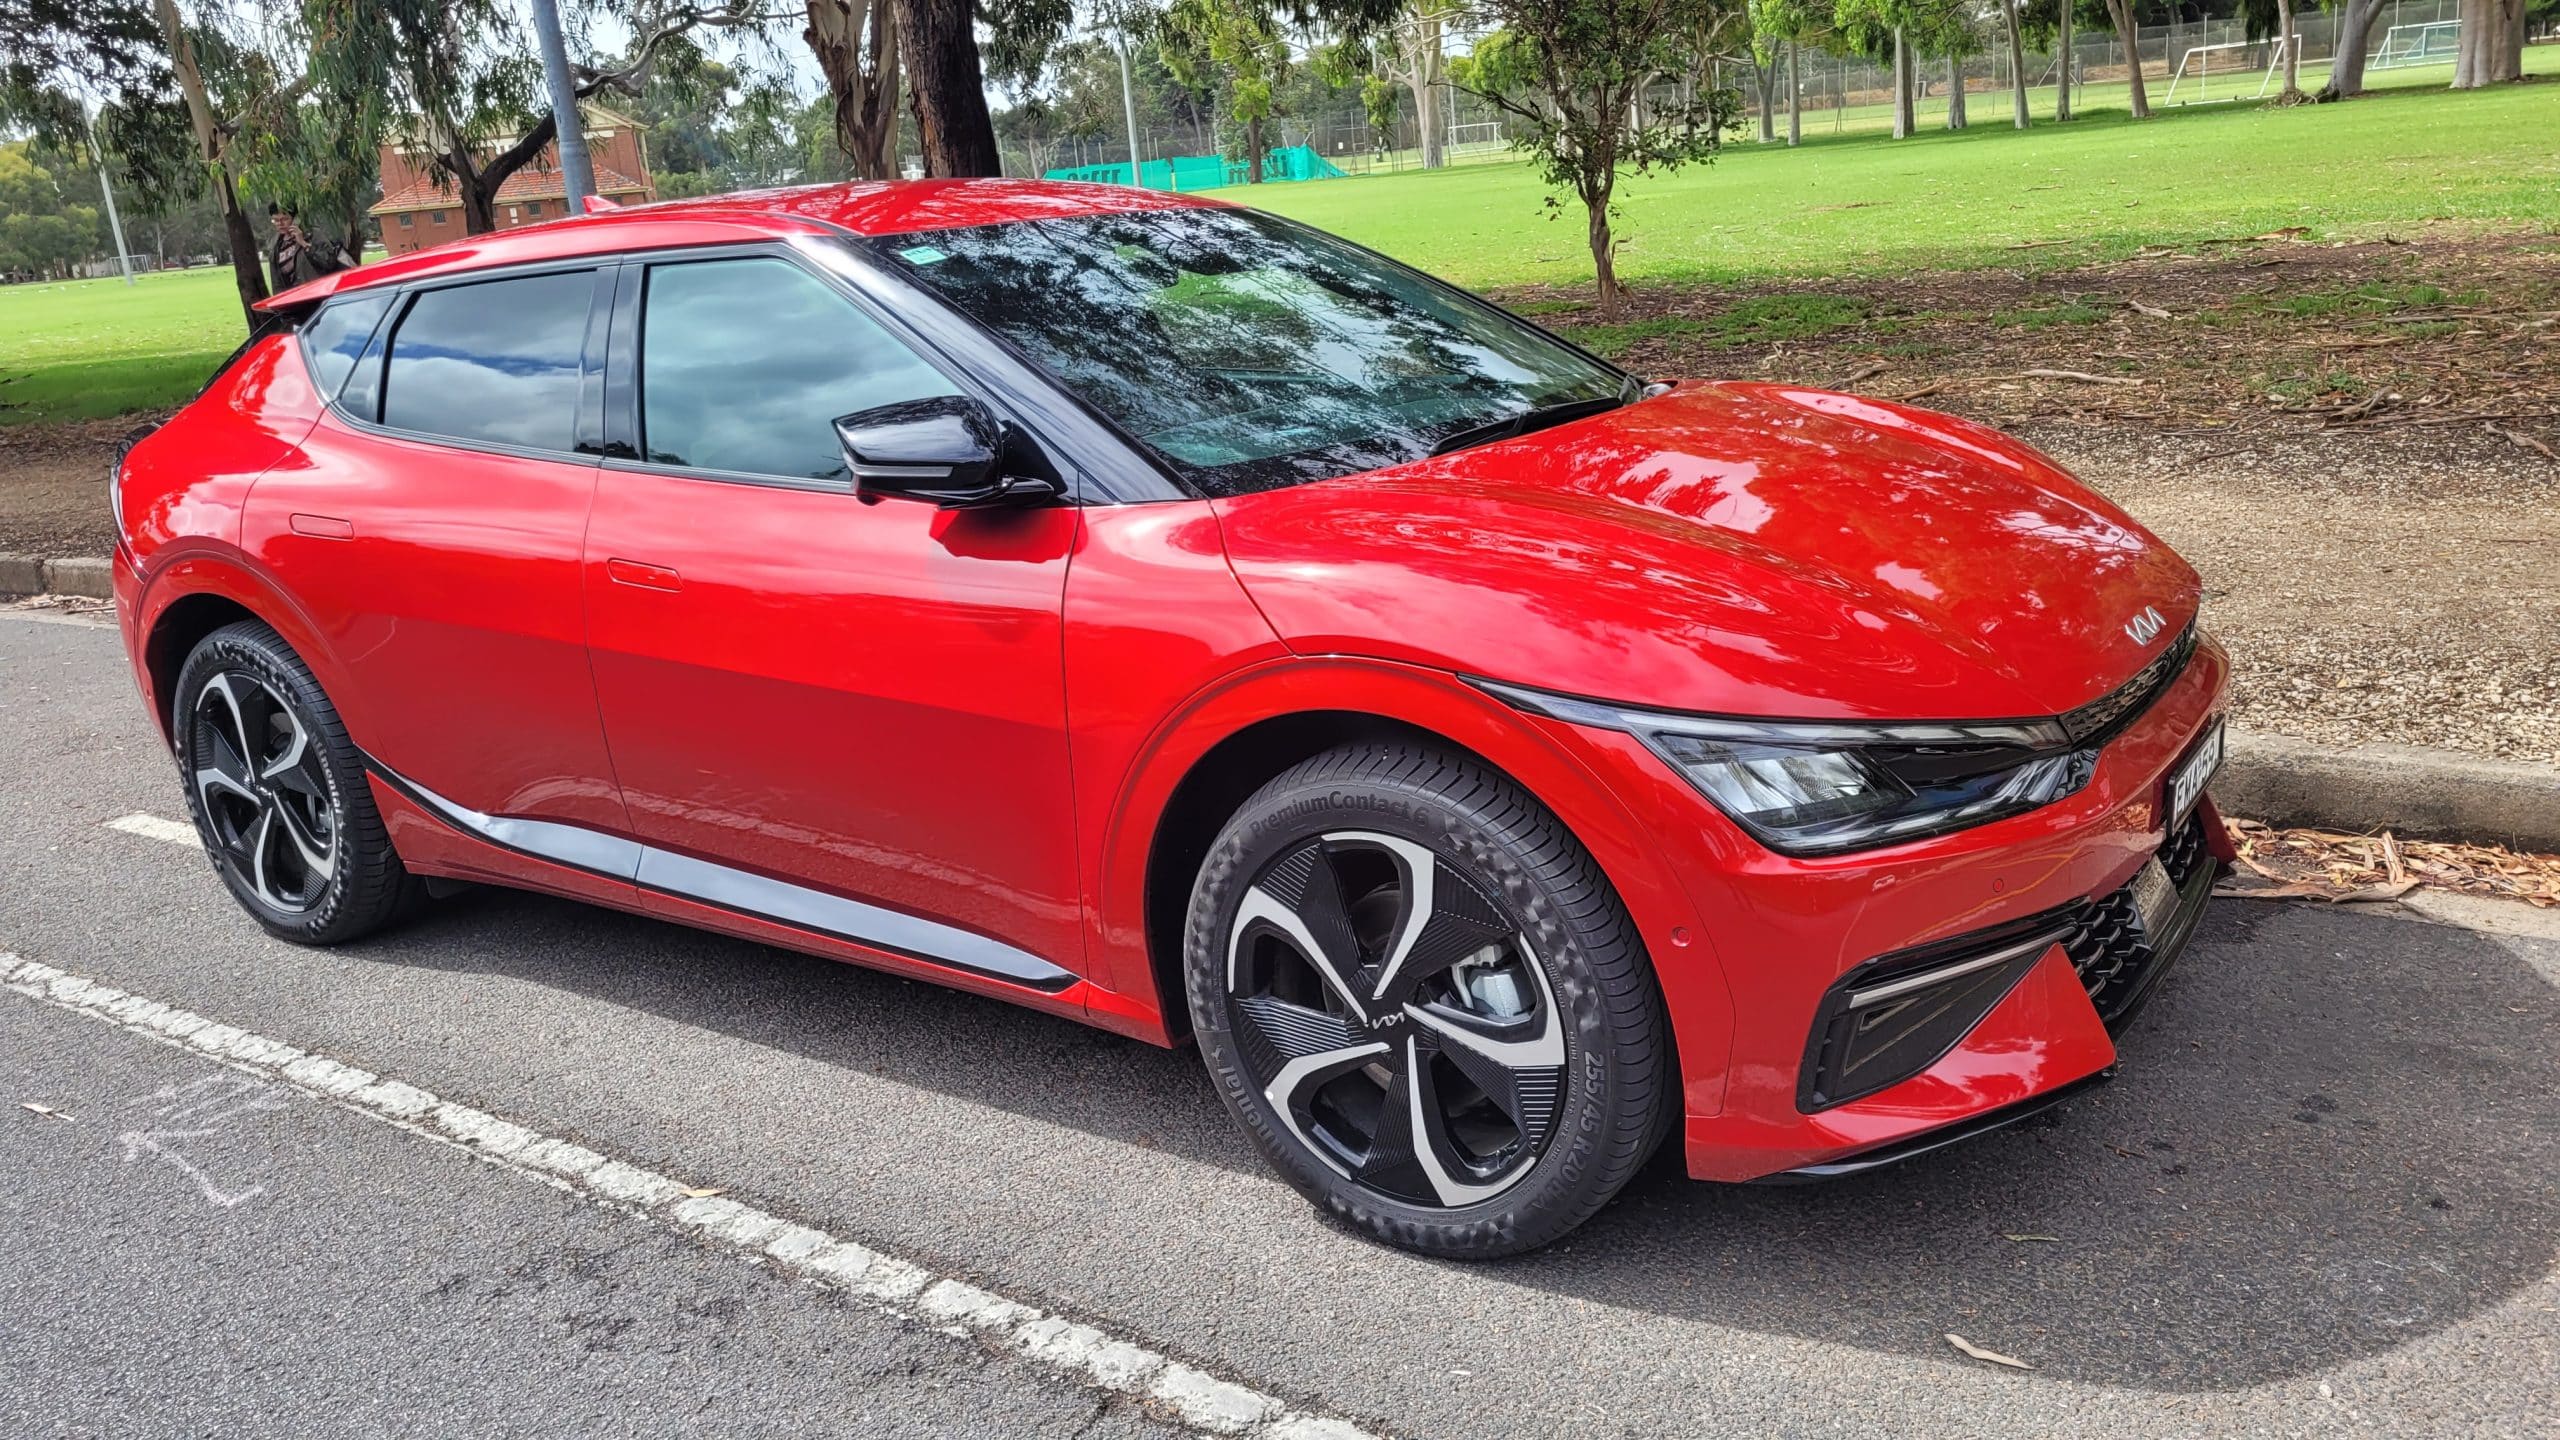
(2320, 1196)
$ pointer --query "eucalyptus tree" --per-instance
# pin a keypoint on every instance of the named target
(1236, 47)
(1408, 50)
(2009, 27)
(1570, 71)
(2490, 47)
(1780, 28)
(855, 43)
(2352, 48)
(470, 93)
(2128, 27)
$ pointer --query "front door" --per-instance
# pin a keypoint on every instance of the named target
(846, 717)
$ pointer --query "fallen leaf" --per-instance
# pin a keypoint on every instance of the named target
(2056, 1239)
(1978, 1353)
(42, 1109)
(703, 1192)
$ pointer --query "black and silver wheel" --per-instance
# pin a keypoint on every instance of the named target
(278, 794)
(1418, 994)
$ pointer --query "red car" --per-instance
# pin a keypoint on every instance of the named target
(1162, 614)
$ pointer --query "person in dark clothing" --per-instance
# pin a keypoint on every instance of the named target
(297, 257)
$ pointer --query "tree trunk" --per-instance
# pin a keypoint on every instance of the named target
(2017, 65)
(1430, 70)
(2129, 35)
(1955, 92)
(1764, 79)
(1604, 253)
(938, 48)
(1795, 100)
(2291, 94)
(245, 272)
(1253, 151)
(2355, 46)
(2491, 49)
(855, 44)
(1904, 113)
(2062, 58)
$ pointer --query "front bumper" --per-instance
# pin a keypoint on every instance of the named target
(1783, 934)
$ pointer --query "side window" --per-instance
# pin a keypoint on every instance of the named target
(336, 336)
(746, 364)
(495, 362)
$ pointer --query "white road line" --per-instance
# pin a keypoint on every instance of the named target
(152, 827)
(1195, 1399)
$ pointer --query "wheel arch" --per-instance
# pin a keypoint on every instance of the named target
(1232, 742)
(190, 596)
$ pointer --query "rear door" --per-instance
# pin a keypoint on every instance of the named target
(844, 717)
(432, 532)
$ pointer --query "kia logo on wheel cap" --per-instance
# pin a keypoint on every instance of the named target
(2145, 625)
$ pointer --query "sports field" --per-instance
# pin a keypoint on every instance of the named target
(1851, 203)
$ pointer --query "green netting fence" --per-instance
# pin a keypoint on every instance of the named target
(1207, 172)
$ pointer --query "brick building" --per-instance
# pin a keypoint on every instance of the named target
(421, 207)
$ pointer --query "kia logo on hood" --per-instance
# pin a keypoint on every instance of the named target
(2145, 625)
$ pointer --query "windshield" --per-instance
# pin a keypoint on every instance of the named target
(1248, 352)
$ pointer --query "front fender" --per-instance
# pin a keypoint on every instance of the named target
(1546, 763)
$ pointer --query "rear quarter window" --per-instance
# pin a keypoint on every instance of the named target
(333, 339)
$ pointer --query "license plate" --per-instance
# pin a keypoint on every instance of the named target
(2187, 784)
(2155, 897)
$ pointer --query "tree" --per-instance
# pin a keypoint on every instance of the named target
(1570, 71)
(463, 72)
(855, 43)
(2017, 63)
(2491, 47)
(1411, 51)
(1235, 45)
(1777, 28)
(2355, 22)
(2129, 35)
(213, 143)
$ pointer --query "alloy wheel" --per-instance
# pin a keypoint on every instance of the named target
(269, 809)
(1395, 1019)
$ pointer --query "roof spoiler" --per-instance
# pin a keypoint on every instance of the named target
(597, 204)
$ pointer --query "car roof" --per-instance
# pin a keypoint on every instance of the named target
(878, 207)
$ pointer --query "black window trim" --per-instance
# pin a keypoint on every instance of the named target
(406, 296)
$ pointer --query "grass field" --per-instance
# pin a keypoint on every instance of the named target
(99, 347)
(1853, 203)
(2099, 187)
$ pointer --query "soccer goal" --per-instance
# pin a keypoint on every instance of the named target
(2198, 67)
(1475, 137)
(2432, 43)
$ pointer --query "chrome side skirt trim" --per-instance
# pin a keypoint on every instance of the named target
(740, 891)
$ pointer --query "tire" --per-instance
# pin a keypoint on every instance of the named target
(1515, 1026)
(278, 793)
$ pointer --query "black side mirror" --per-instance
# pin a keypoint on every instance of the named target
(949, 451)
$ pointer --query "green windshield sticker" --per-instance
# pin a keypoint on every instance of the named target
(922, 255)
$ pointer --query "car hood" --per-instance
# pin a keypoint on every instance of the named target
(1738, 549)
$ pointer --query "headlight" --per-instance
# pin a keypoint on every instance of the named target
(1822, 788)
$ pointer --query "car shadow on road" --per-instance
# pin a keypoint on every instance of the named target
(2332, 1135)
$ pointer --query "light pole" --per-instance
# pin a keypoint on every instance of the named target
(575, 173)
(115, 223)
(1129, 108)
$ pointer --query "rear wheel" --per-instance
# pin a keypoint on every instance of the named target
(1419, 996)
(278, 793)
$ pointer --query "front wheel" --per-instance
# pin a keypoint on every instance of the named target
(1419, 996)
(278, 792)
